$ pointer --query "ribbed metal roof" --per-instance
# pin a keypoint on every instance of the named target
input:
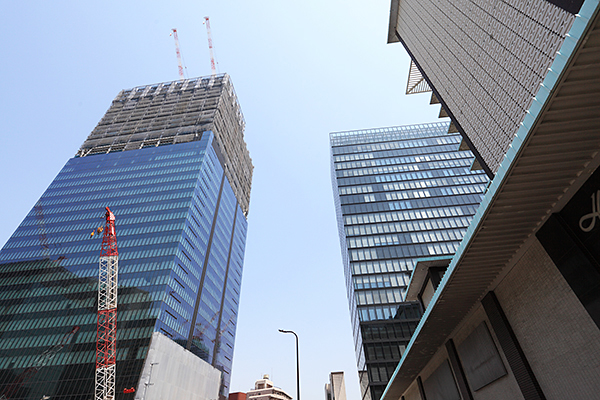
(555, 151)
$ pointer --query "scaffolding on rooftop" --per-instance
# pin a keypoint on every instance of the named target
(178, 112)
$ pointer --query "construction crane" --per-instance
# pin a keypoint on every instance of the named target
(106, 336)
(213, 66)
(174, 33)
(41, 361)
(217, 341)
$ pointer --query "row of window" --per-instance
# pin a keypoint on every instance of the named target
(380, 373)
(411, 215)
(413, 194)
(48, 322)
(125, 219)
(430, 183)
(408, 226)
(94, 246)
(148, 253)
(415, 151)
(19, 308)
(384, 351)
(379, 296)
(404, 168)
(444, 191)
(67, 172)
(115, 200)
(381, 280)
(374, 135)
(403, 176)
(404, 239)
(68, 357)
(38, 291)
(374, 162)
(378, 312)
(141, 206)
(426, 203)
(415, 250)
(382, 266)
(397, 144)
(144, 178)
(107, 190)
(53, 240)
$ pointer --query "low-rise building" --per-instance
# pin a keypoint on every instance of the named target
(265, 390)
(336, 388)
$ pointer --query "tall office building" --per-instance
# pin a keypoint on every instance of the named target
(517, 313)
(171, 163)
(484, 61)
(402, 194)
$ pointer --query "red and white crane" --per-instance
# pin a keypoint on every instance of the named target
(174, 33)
(106, 337)
(213, 66)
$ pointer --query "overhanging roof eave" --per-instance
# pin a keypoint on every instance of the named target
(394, 6)
(445, 313)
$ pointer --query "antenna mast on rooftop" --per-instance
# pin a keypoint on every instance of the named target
(210, 47)
(174, 33)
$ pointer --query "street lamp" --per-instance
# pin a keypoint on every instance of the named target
(297, 364)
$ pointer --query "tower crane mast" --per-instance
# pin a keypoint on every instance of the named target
(106, 336)
(174, 33)
(213, 66)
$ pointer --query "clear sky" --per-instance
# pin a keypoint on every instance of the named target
(301, 70)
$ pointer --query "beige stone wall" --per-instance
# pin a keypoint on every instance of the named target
(413, 392)
(557, 335)
(560, 340)
(505, 387)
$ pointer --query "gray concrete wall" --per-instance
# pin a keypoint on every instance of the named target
(173, 373)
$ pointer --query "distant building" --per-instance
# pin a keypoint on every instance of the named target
(237, 396)
(402, 194)
(516, 314)
(170, 161)
(336, 388)
(265, 390)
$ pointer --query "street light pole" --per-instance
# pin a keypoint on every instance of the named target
(297, 363)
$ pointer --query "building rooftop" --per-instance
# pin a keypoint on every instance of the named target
(178, 112)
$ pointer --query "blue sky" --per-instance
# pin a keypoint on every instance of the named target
(300, 69)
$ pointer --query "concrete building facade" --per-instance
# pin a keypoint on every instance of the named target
(336, 388)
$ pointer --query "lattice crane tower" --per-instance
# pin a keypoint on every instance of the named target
(213, 66)
(106, 338)
(174, 33)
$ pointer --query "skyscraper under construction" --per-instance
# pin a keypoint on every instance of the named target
(171, 162)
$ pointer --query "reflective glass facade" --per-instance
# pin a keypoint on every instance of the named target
(402, 194)
(181, 238)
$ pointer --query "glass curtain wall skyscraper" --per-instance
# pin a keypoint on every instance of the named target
(402, 194)
(171, 163)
